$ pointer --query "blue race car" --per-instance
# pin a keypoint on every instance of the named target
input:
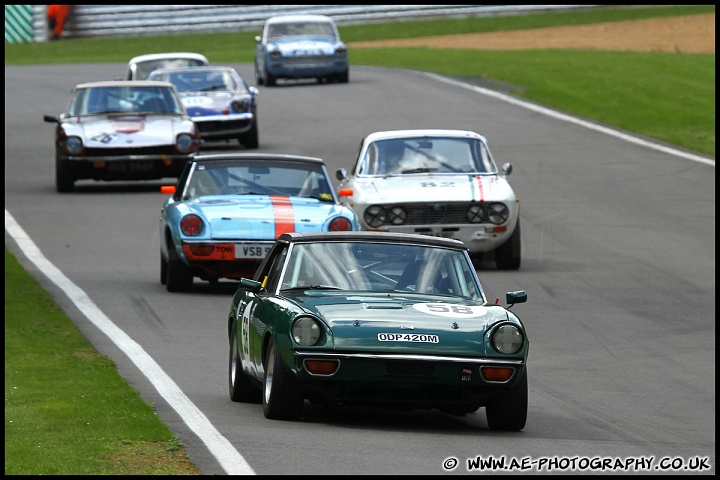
(298, 47)
(227, 210)
(219, 101)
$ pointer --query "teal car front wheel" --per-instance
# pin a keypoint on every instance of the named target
(282, 399)
(509, 411)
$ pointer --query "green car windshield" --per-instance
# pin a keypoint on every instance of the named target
(382, 267)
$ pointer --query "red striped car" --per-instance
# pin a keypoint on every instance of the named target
(443, 183)
(227, 210)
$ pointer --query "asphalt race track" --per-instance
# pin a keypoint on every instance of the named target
(618, 263)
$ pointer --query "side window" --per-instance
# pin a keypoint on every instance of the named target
(79, 105)
(466, 285)
(274, 270)
(229, 82)
(368, 164)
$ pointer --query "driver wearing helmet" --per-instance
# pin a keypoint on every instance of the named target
(390, 155)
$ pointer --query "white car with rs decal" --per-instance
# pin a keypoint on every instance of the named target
(442, 183)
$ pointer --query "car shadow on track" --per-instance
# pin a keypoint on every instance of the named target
(395, 420)
(121, 187)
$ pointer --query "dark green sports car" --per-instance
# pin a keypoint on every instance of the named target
(375, 319)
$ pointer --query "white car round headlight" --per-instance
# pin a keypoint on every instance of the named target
(397, 216)
(475, 214)
(375, 216)
(306, 331)
(498, 213)
(507, 339)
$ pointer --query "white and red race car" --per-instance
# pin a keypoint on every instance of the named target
(122, 130)
(443, 183)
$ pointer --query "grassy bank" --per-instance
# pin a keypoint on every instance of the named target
(67, 411)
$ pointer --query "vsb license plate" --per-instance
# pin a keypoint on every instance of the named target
(252, 250)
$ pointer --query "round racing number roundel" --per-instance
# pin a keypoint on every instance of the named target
(451, 310)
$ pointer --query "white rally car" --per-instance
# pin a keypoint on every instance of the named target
(443, 183)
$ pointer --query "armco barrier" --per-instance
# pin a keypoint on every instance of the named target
(127, 20)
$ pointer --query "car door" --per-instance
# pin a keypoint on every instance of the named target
(261, 313)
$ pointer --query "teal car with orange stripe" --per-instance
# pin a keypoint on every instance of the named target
(443, 183)
(227, 210)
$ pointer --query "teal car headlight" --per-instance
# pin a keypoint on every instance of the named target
(306, 331)
(507, 339)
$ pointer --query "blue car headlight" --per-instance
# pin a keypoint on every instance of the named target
(240, 105)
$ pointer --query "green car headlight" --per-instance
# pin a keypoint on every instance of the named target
(507, 339)
(306, 331)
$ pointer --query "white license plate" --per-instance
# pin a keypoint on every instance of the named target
(252, 250)
(408, 337)
(139, 166)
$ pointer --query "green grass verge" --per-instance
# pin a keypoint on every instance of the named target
(67, 410)
(667, 97)
(58, 390)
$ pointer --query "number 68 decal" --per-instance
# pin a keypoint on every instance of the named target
(451, 310)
